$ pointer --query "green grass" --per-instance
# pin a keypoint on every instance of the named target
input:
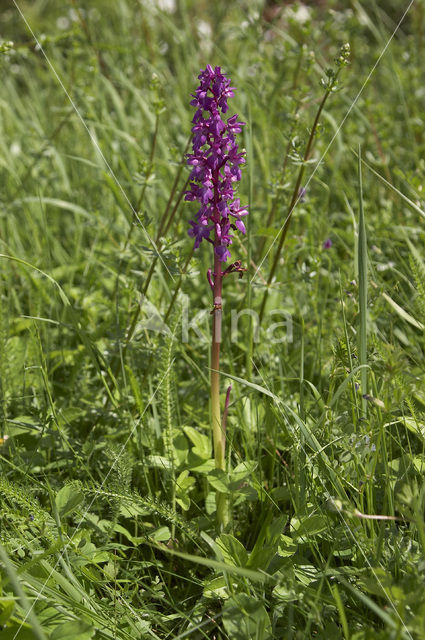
(107, 513)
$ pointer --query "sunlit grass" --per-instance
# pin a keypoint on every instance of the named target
(107, 518)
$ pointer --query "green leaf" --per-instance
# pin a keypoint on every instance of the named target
(261, 558)
(6, 610)
(232, 550)
(68, 499)
(245, 618)
(185, 481)
(14, 630)
(243, 470)
(310, 526)
(201, 442)
(402, 313)
(159, 462)
(217, 478)
(216, 588)
(287, 547)
(184, 502)
(181, 448)
(161, 535)
(184, 484)
(72, 630)
(363, 286)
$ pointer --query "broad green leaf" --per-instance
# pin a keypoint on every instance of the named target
(309, 526)
(216, 588)
(161, 535)
(261, 558)
(245, 618)
(6, 609)
(15, 631)
(181, 448)
(201, 442)
(184, 484)
(285, 593)
(287, 547)
(217, 478)
(243, 470)
(184, 481)
(159, 462)
(183, 501)
(73, 630)
(232, 550)
(68, 499)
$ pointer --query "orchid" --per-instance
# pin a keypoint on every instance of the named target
(215, 164)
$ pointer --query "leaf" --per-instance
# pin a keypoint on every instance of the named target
(184, 484)
(363, 284)
(242, 471)
(184, 502)
(216, 588)
(161, 535)
(185, 481)
(402, 313)
(232, 550)
(249, 574)
(6, 610)
(245, 618)
(217, 478)
(310, 526)
(287, 547)
(159, 462)
(60, 204)
(201, 442)
(397, 191)
(205, 467)
(285, 593)
(181, 448)
(68, 499)
(419, 463)
(17, 631)
(413, 425)
(72, 630)
(261, 558)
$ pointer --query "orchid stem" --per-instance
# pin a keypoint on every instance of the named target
(218, 435)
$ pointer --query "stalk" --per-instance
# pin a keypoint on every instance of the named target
(219, 438)
(217, 313)
(215, 365)
(294, 201)
(330, 84)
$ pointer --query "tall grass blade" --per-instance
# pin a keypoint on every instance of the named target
(362, 264)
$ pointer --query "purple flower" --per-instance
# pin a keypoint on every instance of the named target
(215, 164)
(327, 244)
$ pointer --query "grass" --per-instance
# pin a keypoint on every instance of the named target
(107, 518)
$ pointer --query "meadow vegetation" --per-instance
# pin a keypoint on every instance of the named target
(108, 524)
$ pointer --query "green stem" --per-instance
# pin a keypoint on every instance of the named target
(136, 209)
(178, 286)
(219, 438)
(295, 197)
(146, 284)
(166, 221)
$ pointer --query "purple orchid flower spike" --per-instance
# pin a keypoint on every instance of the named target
(215, 164)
